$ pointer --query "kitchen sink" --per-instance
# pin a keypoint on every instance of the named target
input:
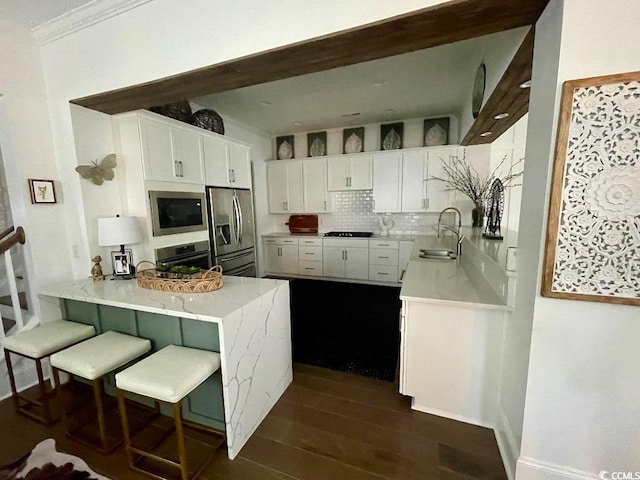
(437, 253)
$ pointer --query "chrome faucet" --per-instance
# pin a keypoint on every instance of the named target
(459, 236)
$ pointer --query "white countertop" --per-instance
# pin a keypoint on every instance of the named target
(375, 236)
(444, 281)
(211, 306)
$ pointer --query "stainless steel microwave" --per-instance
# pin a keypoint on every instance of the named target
(177, 212)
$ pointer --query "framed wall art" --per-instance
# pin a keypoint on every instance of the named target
(436, 132)
(592, 249)
(42, 191)
(284, 147)
(391, 136)
(353, 140)
(316, 144)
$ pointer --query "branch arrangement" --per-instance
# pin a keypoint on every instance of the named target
(463, 177)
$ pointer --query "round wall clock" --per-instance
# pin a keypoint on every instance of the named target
(478, 90)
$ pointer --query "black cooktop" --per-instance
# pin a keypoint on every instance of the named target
(348, 234)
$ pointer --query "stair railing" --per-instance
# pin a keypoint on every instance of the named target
(9, 238)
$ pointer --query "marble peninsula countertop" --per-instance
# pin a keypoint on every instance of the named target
(444, 281)
(210, 306)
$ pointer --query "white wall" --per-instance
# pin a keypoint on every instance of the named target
(582, 413)
(149, 42)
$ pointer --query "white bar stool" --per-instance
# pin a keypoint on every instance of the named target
(37, 344)
(92, 360)
(168, 376)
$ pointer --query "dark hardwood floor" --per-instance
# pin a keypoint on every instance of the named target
(327, 425)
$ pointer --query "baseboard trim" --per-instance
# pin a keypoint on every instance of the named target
(509, 449)
(532, 469)
(453, 416)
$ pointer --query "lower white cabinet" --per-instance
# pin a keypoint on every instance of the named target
(345, 258)
(281, 255)
(383, 260)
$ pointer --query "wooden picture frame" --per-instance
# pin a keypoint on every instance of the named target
(121, 263)
(435, 132)
(592, 248)
(42, 191)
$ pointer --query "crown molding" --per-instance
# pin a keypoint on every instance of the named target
(82, 17)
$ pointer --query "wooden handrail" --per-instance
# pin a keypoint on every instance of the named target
(16, 237)
(6, 232)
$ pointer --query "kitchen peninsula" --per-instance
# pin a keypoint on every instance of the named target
(247, 321)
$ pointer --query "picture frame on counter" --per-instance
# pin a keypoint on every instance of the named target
(436, 132)
(42, 191)
(353, 140)
(121, 263)
(593, 236)
(316, 144)
(391, 136)
(285, 147)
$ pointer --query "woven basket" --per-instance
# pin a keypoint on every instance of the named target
(205, 281)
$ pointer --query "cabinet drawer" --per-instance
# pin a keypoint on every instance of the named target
(310, 268)
(346, 242)
(391, 244)
(310, 253)
(383, 273)
(381, 256)
(280, 241)
(314, 242)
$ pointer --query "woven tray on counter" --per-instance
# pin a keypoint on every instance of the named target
(205, 281)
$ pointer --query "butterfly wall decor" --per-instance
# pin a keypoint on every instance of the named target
(99, 171)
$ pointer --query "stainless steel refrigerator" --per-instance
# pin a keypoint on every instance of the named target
(231, 230)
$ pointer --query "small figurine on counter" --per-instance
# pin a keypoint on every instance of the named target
(385, 224)
(96, 270)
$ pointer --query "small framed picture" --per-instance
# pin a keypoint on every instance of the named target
(436, 132)
(284, 147)
(42, 191)
(317, 144)
(391, 136)
(353, 140)
(122, 263)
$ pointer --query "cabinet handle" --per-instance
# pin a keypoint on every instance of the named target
(325, 205)
(176, 168)
(346, 255)
(402, 275)
(383, 244)
(279, 251)
(383, 273)
(309, 268)
(342, 254)
(233, 176)
(309, 253)
(284, 206)
(383, 257)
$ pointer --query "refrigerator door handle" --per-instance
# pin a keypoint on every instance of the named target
(236, 218)
(240, 221)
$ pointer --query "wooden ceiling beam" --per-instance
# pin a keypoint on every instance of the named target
(507, 97)
(438, 25)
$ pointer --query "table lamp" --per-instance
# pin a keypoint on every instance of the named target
(119, 231)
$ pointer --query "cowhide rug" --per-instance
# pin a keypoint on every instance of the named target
(45, 463)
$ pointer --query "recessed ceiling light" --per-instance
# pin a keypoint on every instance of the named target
(354, 114)
(500, 116)
(379, 83)
(390, 110)
(265, 103)
(297, 124)
(485, 134)
(526, 84)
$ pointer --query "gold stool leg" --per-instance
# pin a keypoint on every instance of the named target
(97, 393)
(182, 452)
(125, 425)
(12, 380)
(44, 394)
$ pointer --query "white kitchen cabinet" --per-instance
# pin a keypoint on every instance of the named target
(345, 258)
(350, 172)
(420, 191)
(285, 186)
(281, 255)
(314, 178)
(227, 164)
(383, 260)
(170, 153)
(387, 182)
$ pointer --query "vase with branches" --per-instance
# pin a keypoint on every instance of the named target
(461, 176)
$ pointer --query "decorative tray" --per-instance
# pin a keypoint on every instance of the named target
(167, 281)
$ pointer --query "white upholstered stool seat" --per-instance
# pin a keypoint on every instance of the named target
(36, 344)
(168, 375)
(92, 360)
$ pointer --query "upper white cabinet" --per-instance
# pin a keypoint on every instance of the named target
(284, 186)
(314, 177)
(170, 153)
(227, 164)
(420, 191)
(350, 172)
(387, 182)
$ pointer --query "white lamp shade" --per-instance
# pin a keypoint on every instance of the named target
(118, 231)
